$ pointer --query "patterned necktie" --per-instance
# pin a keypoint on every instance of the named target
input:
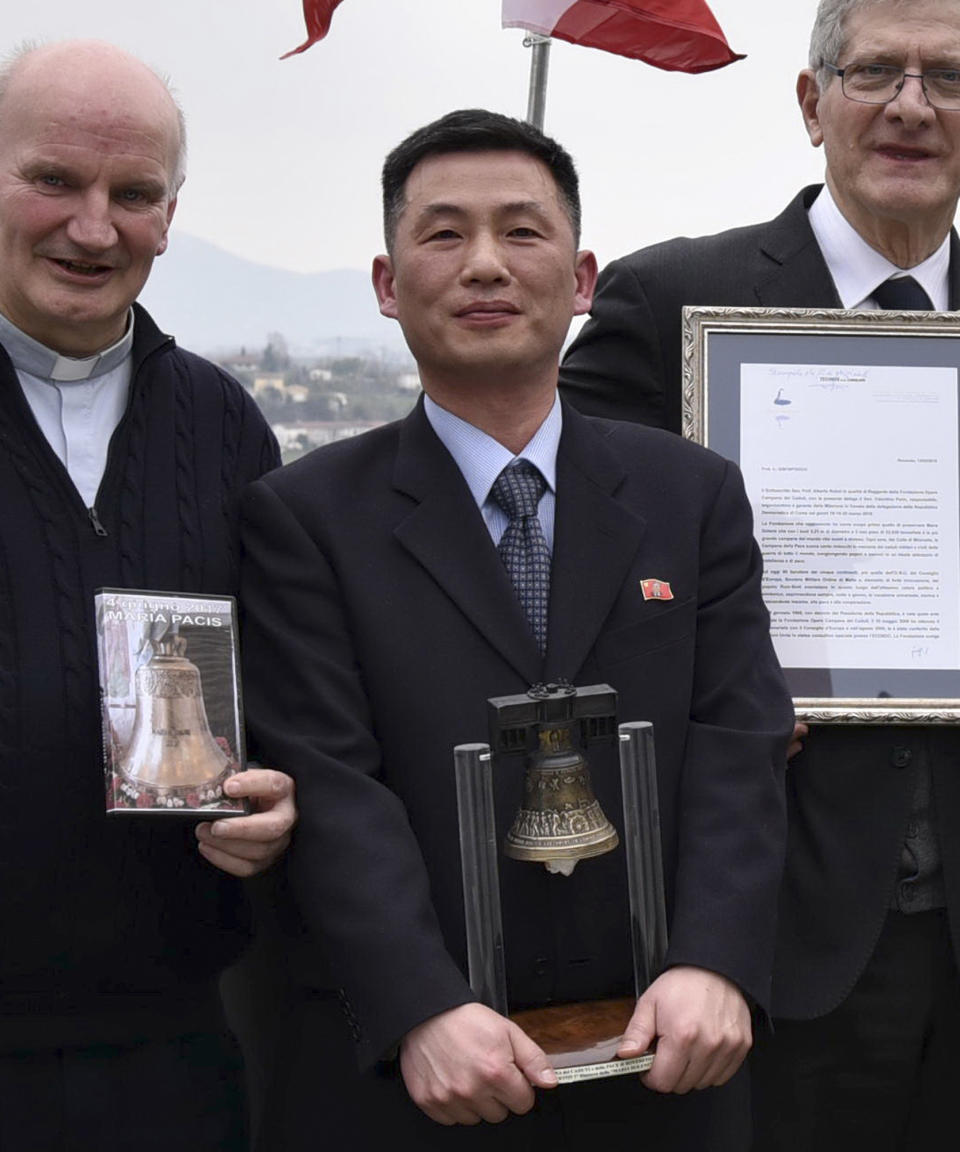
(902, 294)
(522, 547)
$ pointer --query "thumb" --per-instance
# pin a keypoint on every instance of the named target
(641, 1030)
(531, 1059)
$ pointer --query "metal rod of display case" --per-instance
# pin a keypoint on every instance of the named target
(641, 817)
(481, 883)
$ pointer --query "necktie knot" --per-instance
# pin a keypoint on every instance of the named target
(517, 490)
(902, 294)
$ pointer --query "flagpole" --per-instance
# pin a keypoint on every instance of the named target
(539, 63)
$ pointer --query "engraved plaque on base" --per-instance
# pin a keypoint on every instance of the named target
(581, 1040)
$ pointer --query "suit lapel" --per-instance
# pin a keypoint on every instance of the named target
(595, 540)
(446, 534)
(797, 275)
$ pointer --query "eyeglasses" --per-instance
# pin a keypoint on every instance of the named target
(881, 83)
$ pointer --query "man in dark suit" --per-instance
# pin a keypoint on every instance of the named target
(380, 617)
(865, 983)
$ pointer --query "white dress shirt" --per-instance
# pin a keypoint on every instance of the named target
(857, 269)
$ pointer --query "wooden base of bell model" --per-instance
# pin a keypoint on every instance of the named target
(581, 1039)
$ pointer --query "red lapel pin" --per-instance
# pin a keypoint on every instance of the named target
(656, 590)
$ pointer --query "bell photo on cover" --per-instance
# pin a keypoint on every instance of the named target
(170, 701)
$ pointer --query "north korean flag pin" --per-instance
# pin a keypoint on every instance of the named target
(656, 590)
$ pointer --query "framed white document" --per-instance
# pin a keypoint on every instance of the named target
(846, 426)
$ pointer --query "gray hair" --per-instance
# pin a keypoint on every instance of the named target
(11, 61)
(829, 38)
(180, 163)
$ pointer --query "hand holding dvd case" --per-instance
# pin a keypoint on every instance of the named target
(170, 701)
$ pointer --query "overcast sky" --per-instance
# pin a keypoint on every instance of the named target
(285, 155)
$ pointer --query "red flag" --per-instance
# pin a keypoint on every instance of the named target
(678, 35)
(317, 14)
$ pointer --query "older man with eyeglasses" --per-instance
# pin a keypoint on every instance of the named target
(866, 996)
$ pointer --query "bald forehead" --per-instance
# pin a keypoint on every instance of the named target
(102, 65)
(85, 84)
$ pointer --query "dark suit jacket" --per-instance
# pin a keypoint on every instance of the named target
(849, 793)
(379, 619)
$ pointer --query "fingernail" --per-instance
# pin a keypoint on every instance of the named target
(549, 1077)
(230, 786)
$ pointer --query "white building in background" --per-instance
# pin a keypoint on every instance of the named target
(295, 439)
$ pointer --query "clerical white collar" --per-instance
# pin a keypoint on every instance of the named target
(857, 269)
(29, 355)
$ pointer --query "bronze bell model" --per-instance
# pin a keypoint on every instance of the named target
(560, 820)
(171, 748)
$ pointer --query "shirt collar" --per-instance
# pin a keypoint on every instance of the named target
(481, 459)
(857, 269)
(29, 355)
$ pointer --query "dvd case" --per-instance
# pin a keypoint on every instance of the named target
(170, 701)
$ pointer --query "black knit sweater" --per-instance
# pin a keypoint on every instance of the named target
(108, 927)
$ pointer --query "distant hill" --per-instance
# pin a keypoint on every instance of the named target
(213, 301)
